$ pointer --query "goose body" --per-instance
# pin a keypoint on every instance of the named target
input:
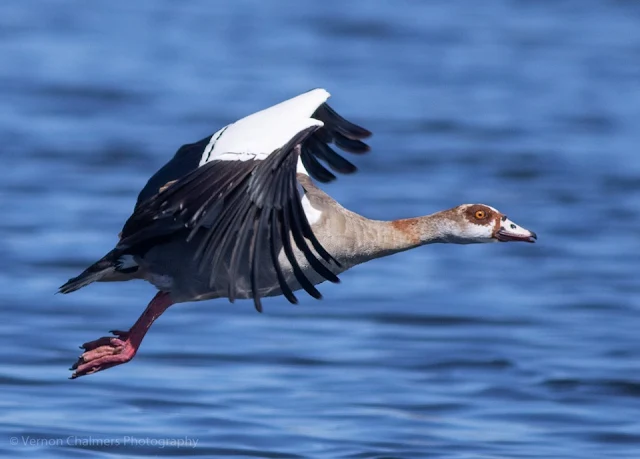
(237, 215)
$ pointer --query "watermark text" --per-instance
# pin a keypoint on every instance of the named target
(104, 442)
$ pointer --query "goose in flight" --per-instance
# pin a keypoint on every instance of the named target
(236, 215)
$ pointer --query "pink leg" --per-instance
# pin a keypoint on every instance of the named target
(107, 352)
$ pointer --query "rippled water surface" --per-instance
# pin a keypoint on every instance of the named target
(495, 351)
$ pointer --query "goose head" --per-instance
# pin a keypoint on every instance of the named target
(477, 223)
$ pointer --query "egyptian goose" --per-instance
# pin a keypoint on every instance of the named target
(236, 215)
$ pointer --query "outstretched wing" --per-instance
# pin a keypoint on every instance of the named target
(238, 204)
(263, 132)
(238, 187)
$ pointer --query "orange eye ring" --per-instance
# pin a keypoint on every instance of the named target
(480, 214)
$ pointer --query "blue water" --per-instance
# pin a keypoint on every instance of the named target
(494, 351)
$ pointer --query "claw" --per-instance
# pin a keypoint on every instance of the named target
(118, 332)
(103, 353)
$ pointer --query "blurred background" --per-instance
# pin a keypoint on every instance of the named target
(491, 351)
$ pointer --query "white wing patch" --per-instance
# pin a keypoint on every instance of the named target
(209, 148)
(313, 214)
(300, 169)
(258, 135)
(286, 132)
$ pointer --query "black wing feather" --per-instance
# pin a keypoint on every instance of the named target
(273, 250)
(313, 166)
(326, 153)
(247, 216)
(259, 227)
(301, 244)
(288, 250)
(338, 124)
(342, 133)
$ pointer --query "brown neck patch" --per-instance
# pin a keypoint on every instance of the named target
(409, 227)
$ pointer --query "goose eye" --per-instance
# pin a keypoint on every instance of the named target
(480, 214)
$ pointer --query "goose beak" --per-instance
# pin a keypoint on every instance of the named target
(508, 231)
